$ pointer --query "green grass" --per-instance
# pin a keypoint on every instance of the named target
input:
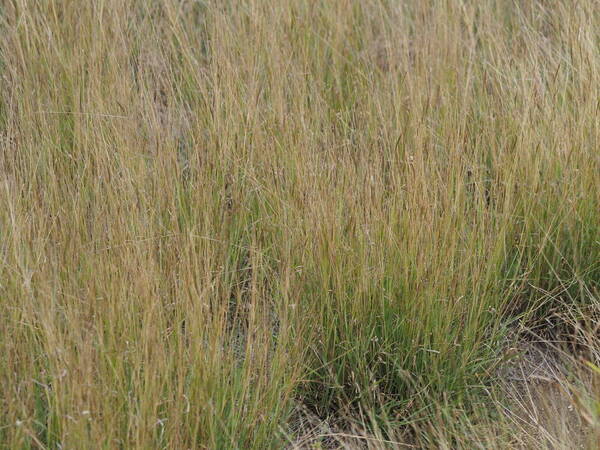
(217, 215)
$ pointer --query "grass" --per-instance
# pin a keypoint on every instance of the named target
(248, 224)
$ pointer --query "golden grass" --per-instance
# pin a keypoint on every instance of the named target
(216, 214)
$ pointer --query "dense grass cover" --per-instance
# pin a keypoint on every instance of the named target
(219, 218)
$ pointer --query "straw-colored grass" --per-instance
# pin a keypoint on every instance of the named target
(260, 224)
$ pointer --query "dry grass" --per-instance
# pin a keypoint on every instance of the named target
(252, 224)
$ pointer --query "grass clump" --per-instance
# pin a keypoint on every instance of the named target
(249, 224)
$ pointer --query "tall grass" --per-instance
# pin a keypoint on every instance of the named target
(213, 212)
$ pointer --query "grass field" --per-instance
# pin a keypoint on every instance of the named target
(299, 224)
